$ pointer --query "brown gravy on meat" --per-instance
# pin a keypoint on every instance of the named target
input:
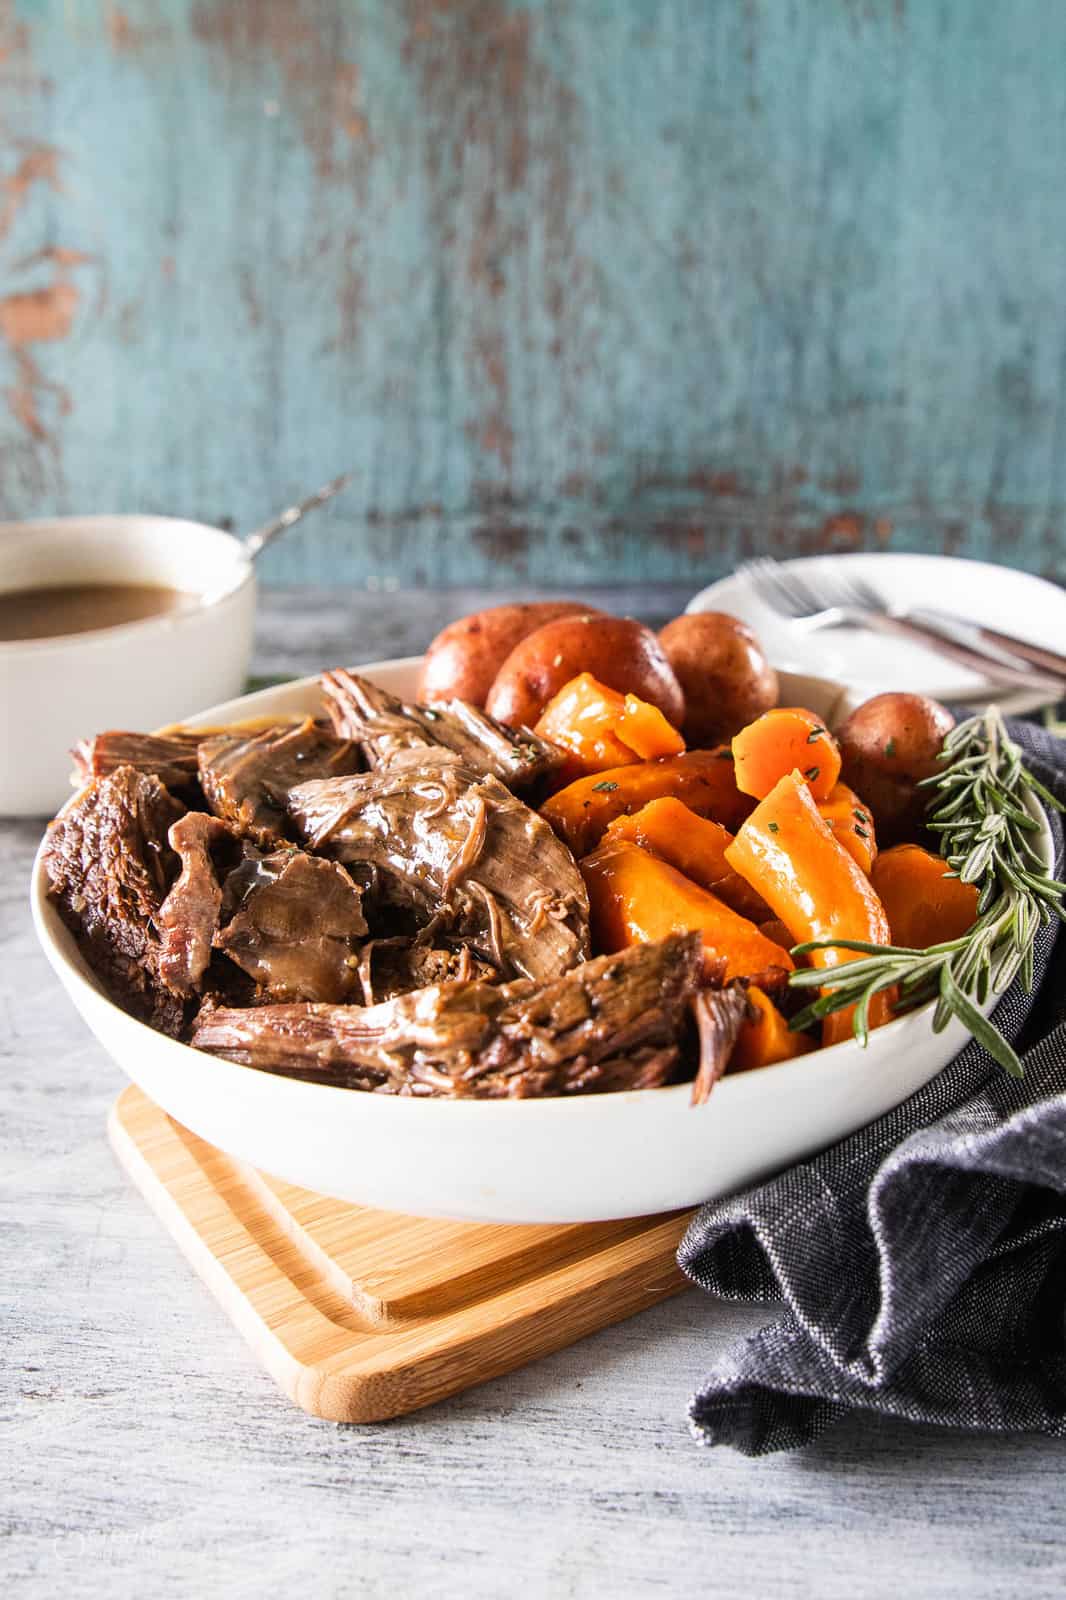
(47, 613)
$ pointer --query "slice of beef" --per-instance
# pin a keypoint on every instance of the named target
(293, 923)
(247, 776)
(384, 725)
(612, 1023)
(170, 758)
(110, 867)
(188, 918)
(460, 848)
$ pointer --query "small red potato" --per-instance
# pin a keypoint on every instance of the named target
(887, 746)
(725, 678)
(618, 651)
(465, 657)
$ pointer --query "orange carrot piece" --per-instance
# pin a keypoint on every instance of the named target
(600, 728)
(694, 845)
(851, 824)
(703, 779)
(634, 898)
(582, 720)
(766, 1036)
(644, 729)
(789, 855)
(780, 741)
(924, 906)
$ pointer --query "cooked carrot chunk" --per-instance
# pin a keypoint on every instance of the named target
(694, 845)
(635, 898)
(851, 824)
(923, 904)
(788, 854)
(703, 779)
(766, 1036)
(780, 741)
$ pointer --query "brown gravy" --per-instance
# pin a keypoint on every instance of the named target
(83, 607)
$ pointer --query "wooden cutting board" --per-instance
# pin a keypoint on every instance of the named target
(362, 1315)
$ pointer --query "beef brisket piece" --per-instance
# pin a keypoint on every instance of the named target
(457, 846)
(110, 866)
(612, 1023)
(292, 921)
(170, 758)
(188, 918)
(247, 776)
(383, 725)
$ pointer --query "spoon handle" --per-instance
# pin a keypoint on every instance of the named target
(255, 543)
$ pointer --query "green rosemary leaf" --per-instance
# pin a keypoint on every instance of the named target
(989, 837)
(986, 1035)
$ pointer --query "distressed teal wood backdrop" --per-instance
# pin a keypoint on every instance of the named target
(583, 289)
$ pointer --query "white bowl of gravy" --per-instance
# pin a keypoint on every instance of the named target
(111, 622)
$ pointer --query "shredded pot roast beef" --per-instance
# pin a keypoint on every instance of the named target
(171, 758)
(427, 934)
(612, 1023)
(383, 726)
(293, 922)
(246, 777)
(459, 848)
(388, 967)
(110, 866)
(188, 918)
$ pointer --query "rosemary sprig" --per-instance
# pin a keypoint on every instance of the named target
(978, 807)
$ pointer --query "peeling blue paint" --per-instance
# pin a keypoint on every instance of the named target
(579, 290)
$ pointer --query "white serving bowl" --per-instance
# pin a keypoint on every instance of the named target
(560, 1160)
(136, 675)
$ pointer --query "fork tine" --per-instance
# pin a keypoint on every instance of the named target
(772, 586)
(805, 598)
(851, 589)
(868, 594)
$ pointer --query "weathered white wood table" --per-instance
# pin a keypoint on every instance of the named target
(143, 1451)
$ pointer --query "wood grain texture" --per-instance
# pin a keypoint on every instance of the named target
(576, 289)
(144, 1452)
(363, 1315)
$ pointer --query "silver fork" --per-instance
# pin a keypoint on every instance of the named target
(845, 600)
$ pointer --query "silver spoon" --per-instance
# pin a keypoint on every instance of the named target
(256, 542)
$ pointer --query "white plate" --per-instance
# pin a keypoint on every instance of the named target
(867, 663)
(561, 1160)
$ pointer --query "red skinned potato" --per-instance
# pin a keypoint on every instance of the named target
(620, 652)
(464, 658)
(887, 746)
(725, 678)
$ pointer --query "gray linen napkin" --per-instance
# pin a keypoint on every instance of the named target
(920, 1263)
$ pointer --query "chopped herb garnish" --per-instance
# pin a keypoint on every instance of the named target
(811, 773)
(605, 787)
(430, 715)
(725, 754)
(814, 735)
(860, 816)
(773, 827)
(890, 748)
(862, 833)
